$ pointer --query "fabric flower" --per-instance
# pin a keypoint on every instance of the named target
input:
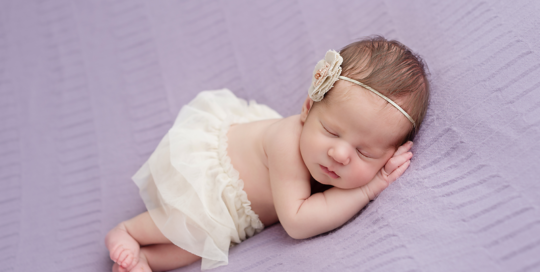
(325, 74)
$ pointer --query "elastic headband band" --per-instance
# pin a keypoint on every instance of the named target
(382, 96)
(328, 71)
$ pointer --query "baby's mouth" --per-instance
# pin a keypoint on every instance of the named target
(332, 174)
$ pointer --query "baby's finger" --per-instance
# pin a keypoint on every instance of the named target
(396, 162)
(398, 172)
(404, 148)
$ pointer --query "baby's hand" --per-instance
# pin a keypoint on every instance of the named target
(393, 169)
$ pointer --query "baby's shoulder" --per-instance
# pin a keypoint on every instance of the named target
(282, 149)
(286, 129)
(283, 135)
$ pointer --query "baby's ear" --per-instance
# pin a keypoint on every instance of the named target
(305, 109)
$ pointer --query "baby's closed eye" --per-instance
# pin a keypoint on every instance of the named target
(362, 153)
(330, 132)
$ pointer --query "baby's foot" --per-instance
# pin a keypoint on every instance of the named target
(142, 266)
(124, 250)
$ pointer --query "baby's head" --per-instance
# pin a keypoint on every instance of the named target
(349, 132)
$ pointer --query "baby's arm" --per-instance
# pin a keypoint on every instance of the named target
(304, 216)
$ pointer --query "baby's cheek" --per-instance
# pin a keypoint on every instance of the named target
(320, 139)
(363, 175)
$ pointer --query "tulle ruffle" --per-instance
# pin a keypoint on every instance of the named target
(189, 185)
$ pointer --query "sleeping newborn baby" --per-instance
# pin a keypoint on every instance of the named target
(228, 168)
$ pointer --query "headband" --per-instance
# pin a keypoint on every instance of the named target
(328, 71)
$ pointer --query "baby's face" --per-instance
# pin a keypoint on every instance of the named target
(345, 142)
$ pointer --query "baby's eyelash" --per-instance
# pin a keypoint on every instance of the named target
(329, 131)
(360, 152)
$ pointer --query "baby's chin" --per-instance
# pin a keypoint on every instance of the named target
(323, 183)
(319, 179)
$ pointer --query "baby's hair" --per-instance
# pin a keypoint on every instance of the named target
(392, 69)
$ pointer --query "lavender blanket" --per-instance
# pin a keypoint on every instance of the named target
(88, 88)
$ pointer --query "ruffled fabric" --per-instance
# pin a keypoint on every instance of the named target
(189, 185)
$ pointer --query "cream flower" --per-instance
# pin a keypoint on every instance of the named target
(326, 73)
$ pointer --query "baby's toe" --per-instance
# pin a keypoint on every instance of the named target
(133, 262)
(124, 258)
(121, 269)
(115, 268)
(128, 261)
(116, 253)
(141, 265)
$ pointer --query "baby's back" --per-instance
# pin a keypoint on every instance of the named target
(246, 150)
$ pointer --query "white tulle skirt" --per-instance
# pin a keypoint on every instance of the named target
(189, 186)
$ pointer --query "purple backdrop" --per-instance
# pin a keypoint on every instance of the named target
(88, 88)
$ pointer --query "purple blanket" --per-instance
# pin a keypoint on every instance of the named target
(88, 89)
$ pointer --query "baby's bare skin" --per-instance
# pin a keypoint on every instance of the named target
(137, 245)
(246, 148)
(350, 145)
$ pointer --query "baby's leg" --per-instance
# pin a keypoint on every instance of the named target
(163, 257)
(124, 240)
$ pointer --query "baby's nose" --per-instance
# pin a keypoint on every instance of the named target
(339, 154)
